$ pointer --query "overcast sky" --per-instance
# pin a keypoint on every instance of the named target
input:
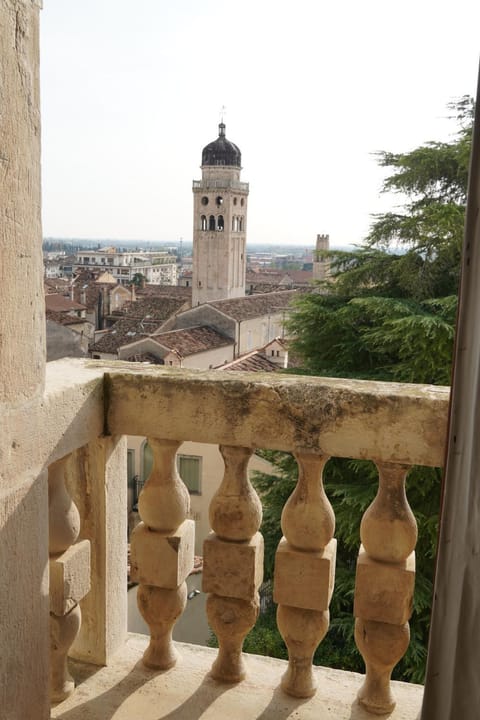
(132, 91)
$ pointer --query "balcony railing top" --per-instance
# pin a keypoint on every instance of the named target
(84, 399)
(344, 418)
(224, 184)
(390, 422)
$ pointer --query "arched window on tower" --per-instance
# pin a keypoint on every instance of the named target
(220, 222)
(240, 224)
(235, 224)
(211, 222)
(203, 222)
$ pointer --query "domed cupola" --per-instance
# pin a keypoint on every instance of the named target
(221, 151)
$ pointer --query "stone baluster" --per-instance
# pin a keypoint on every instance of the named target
(305, 573)
(69, 578)
(162, 548)
(384, 586)
(233, 563)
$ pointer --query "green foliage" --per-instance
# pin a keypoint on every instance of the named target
(373, 337)
(138, 279)
(389, 308)
(388, 313)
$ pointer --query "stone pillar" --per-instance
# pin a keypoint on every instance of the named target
(24, 606)
(305, 573)
(162, 552)
(22, 320)
(69, 578)
(233, 563)
(384, 586)
(97, 480)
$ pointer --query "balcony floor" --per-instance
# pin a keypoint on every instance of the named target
(126, 690)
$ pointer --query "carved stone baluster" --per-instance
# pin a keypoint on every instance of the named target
(384, 586)
(69, 578)
(305, 573)
(162, 553)
(233, 563)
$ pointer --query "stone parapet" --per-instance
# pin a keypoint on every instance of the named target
(389, 422)
(87, 407)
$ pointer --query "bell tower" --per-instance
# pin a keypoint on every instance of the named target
(219, 224)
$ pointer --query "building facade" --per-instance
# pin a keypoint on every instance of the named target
(158, 268)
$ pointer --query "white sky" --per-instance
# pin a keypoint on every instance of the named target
(131, 92)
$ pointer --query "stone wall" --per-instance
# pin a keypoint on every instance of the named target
(24, 605)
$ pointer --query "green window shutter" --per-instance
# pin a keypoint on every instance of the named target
(190, 470)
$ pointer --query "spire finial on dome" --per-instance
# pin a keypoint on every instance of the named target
(221, 127)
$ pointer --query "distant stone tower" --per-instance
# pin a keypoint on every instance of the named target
(219, 224)
(321, 263)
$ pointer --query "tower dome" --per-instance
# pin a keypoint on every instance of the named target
(221, 151)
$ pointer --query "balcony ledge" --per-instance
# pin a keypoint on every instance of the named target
(126, 690)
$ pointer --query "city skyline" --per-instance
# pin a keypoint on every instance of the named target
(131, 95)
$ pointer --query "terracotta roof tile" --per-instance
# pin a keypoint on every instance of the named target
(302, 277)
(253, 362)
(152, 308)
(269, 277)
(190, 341)
(259, 288)
(63, 318)
(124, 331)
(60, 303)
(173, 291)
(137, 319)
(57, 285)
(253, 306)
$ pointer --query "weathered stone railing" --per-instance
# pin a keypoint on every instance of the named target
(315, 418)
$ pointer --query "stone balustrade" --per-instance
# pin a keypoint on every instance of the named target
(162, 552)
(315, 418)
(69, 577)
(305, 573)
(233, 563)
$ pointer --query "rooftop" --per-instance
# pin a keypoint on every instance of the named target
(190, 341)
(153, 308)
(252, 306)
(173, 291)
(221, 151)
(60, 303)
(56, 285)
(124, 331)
(252, 362)
(63, 318)
(137, 319)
